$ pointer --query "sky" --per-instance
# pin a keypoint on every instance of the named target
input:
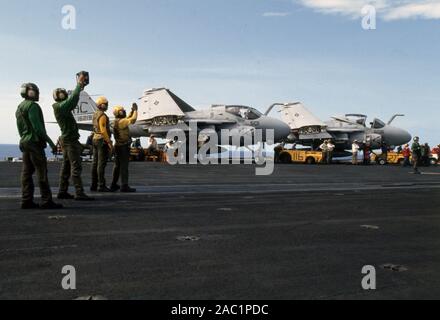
(250, 52)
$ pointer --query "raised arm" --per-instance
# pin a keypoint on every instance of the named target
(70, 104)
(131, 119)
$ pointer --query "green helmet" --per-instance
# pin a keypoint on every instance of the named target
(60, 94)
(30, 91)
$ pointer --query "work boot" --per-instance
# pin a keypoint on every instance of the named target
(65, 196)
(51, 206)
(127, 189)
(29, 205)
(104, 190)
(115, 187)
(83, 197)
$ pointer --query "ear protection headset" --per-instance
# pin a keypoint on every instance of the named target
(60, 94)
(26, 87)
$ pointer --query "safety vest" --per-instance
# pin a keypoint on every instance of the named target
(122, 135)
(96, 128)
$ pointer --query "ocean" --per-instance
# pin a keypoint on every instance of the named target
(9, 150)
(13, 151)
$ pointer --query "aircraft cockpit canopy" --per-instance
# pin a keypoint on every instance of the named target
(247, 113)
(378, 124)
(358, 118)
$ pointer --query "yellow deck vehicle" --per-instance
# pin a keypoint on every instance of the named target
(137, 154)
(300, 156)
(393, 158)
(141, 155)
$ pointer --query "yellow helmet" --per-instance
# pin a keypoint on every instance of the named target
(102, 101)
(119, 112)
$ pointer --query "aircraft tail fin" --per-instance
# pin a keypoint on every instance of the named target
(85, 109)
(298, 117)
(157, 103)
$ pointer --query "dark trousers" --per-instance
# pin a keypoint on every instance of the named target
(122, 158)
(72, 167)
(100, 158)
(329, 157)
(324, 157)
(416, 159)
(426, 161)
(34, 160)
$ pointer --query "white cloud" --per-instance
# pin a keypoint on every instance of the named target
(387, 9)
(425, 10)
(351, 8)
(276, 14)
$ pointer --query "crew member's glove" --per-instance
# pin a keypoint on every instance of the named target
(134, 107)
(110, 148)
(82, 80)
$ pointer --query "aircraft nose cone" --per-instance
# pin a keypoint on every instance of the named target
(280, 128)
(282, 132)
(397, 137)
(407, 136)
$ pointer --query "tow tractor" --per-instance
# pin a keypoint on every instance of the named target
(398, 158)
(392, 158)
(300, 156)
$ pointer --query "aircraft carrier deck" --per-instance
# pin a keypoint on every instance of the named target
(220, 232)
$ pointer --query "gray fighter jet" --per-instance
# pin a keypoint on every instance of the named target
(308, 130)
(160, 111)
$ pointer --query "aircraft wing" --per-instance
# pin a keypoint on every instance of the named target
(163, 130)
(345, 130)
(347, 121)
(212, 122)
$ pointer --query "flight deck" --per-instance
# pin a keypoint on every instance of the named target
(221, 232)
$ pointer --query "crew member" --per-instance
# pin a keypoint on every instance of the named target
(416, 150)
(72, 148)
(277, 150)
(137, 144)
(406, 152)
(367, 153)
(122, 147)
(426, 152)
(355, 149)
(330, 151)
(436, 153)
(384, 150)
(102, 146)
(33, 141)
(324, 149)
(89, 143)
(153, 148)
